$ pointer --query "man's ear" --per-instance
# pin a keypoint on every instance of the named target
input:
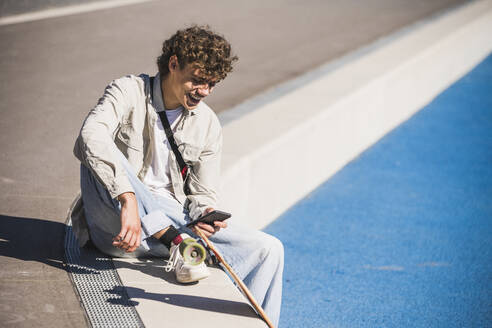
(173, 63)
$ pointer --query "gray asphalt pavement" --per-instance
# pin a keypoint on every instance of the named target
(54, 70)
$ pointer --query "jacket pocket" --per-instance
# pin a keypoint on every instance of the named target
(130, 138)
(190, 153)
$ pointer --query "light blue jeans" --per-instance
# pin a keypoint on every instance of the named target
(258, 258)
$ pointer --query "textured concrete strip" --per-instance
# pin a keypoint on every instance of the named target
(97, 284)
(276, 155)
(69, 10)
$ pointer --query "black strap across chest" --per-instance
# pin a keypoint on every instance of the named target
(183, 167)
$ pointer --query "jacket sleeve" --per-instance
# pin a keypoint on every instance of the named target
(205, 176)
(95, 146)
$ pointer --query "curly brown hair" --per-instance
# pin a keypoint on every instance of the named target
(208, 51)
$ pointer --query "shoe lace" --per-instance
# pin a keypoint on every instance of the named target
(173, 259)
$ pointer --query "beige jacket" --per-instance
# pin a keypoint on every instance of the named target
(125, 117)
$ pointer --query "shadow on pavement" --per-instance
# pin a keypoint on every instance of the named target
(187, 301)
(31, 239)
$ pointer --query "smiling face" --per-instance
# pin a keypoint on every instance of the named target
(185, 86)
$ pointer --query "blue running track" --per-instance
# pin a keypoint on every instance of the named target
(402, 236)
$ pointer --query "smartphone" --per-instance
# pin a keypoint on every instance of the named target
(210, 218)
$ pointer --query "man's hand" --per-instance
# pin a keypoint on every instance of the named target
(207, 229)
(129, 237)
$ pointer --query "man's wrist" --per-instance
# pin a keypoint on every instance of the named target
(126, 197)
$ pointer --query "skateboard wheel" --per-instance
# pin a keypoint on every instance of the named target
(193, 253)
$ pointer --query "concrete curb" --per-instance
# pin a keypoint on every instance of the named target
(274, 156)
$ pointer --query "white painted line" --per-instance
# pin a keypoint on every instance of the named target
(65, 11)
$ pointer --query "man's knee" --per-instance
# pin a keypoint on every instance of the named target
(274, 249)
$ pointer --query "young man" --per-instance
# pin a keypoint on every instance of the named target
(136, 201)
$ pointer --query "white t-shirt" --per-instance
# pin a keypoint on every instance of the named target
(158, 177)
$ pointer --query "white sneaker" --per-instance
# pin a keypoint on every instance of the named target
(186, 272)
